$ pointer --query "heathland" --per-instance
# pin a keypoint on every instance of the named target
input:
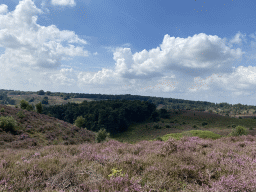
(184, 151)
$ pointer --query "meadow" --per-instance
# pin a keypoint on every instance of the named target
(189, 151)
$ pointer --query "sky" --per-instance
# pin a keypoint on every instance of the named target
(200, 50)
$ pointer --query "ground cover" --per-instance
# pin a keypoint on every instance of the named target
(189, 151)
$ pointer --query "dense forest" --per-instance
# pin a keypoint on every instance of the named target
(115, 116)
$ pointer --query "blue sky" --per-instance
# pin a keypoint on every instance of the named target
(195, 50)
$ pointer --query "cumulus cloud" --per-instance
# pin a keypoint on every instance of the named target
(29, 44)
(33, 56)
(64, 2)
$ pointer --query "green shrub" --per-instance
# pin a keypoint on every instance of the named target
(80, 121)
(156, 126)
(101, 135)
(240, 117)
(29, 108)
(167, 126)
(184, 123)
(16, 106)
(39, 107)
(239, 130)
(251, 128)
(234, 126)
(7, 123)
(204, 123)
(205, 134)
(159, 139)
(23, 104)
(20, 114)
(2, 110)
(194, 126)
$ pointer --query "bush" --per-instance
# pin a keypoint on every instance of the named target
(167, 126)
(184, 123)
(23, 104)
(240, 117)
(204, 123)
(79, 122)
(2, 110)
(156, 126)
(101, 135)
(7, 123)
(239, 130)
(159, 139)
(39, 107)
(16, 106)
(20, 114)
(234, 126)
(29, 108)
(194, 126)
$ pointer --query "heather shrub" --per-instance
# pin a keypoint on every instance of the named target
(7, 123)
(239, 130)
(2, 110)
(101, 135)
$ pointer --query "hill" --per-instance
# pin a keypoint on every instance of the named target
(38, 130)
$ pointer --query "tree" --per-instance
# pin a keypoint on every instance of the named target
(41, 92)
(155, 116)
(39, 107)
(48, 93)
(80, 121)
(23, 104)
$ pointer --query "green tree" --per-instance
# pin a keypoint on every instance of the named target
(41, 92)
(39, 107)
(80, 121)
(23, 104)
(29, 108)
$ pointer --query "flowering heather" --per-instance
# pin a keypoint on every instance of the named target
(195, 161)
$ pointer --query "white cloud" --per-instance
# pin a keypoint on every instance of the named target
(3, 9)
(64, 2)
(34, 54)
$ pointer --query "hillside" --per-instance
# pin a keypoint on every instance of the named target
(37, 130)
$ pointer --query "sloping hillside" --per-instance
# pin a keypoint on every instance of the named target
(38, 130)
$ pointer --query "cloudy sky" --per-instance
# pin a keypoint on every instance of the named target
(195, 50)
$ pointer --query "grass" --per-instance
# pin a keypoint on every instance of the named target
(169, 155)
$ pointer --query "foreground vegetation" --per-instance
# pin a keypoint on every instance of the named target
(186, 151)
